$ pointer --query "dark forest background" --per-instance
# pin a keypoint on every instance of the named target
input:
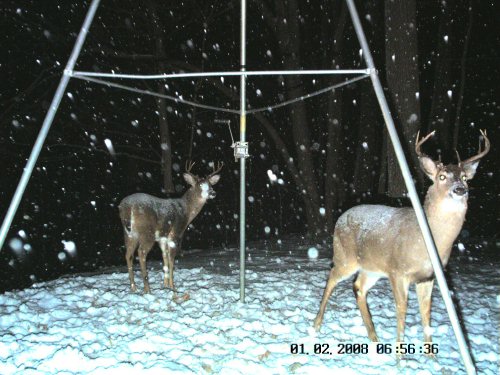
(438, 61)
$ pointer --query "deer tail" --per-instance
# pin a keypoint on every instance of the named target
(127, 219)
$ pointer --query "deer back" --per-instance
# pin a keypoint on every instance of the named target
(373, 236)
(144, 215)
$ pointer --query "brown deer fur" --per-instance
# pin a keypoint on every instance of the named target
(377, 241)
(147, 219)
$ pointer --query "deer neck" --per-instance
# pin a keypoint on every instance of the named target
(446, 216)
(194, 203)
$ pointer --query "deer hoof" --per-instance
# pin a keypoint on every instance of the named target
(431, 356)
(317, 324)
(180, 299)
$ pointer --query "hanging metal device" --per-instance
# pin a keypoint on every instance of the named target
(240, 147)
(240, 150)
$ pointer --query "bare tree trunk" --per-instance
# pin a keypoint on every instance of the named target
(334, 185)
(383, 179)
(165, 144)
(442, 104)
(368, 142)
(370, 119)
(288, 33)
(334, 180)
(403, 83)
(463, 62)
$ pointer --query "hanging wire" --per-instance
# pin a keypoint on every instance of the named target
(221, 109)
(152, 93)
(307, 96)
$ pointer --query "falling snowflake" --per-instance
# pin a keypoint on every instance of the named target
(312, 253)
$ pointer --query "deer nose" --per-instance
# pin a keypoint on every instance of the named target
(459, 190)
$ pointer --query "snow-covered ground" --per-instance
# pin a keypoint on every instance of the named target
(91, 324)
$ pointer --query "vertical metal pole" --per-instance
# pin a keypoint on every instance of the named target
(47, 122)
(243, 130)
(412, 193)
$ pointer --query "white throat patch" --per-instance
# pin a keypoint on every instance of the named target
(455, 203)
(204, 190)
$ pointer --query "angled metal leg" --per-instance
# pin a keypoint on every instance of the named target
(412, 193)
(47, 122)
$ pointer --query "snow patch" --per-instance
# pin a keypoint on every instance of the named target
(93, 324)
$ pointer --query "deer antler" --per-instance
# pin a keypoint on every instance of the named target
(480, 153)
(220, 164)
(420, 142)
(189, 166)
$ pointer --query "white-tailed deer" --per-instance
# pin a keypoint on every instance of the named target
(377, 241)
(147, 219)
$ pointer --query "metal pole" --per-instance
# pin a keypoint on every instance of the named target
(412, 193)
(78, 73)
(243, 126)
(47, 122)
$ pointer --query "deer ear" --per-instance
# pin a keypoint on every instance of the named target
(470, 169)
(214, 179)
(189, 179)
(429, 166)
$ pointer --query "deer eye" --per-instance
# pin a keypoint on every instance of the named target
(464, 178)
(442, 177)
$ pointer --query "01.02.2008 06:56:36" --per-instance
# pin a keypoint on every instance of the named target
(427, 348)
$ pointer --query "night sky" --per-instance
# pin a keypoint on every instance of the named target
(77, 182)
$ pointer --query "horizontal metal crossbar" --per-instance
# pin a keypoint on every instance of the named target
(220, 74)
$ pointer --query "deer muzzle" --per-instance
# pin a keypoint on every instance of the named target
(460, 191)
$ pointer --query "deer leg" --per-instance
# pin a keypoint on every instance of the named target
(361, 286)
(424, 293)
(400, 288)
(143, 252)
(131, 247)
(337, 274)
(171, 258)
(164, 253)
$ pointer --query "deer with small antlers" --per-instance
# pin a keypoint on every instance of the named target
(147, 219)
(377, 241)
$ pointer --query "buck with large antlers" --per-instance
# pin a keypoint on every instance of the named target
(147, 219)
(377, 241)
